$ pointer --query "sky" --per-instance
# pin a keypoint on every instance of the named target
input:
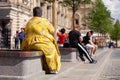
(114, 7)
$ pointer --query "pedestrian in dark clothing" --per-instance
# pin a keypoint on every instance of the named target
(75, 40)
(111, 44)
(21, 36)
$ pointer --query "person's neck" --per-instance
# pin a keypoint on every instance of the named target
(36, 16)
(76, 29)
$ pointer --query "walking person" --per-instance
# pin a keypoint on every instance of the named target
(75, 40)
(21, 36)
(17, 40)
(39, 37)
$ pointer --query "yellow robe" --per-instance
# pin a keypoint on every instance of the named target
(38, 36)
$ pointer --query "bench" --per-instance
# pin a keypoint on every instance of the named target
(20, 65)
(69, 54)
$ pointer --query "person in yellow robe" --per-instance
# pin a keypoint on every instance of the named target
(39, 37)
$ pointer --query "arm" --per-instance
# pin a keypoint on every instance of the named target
(91, 42)
(80, 38)
(59, 34)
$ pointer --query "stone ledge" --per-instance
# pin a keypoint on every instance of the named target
(70, 49)
(18, 53)
(69, 54)
(21, 65)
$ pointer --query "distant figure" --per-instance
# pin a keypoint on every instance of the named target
(61, 37)
(39, 37)
(111, 45)
(17, 40)
(75, 40)
(1, 31)
(107, 44)
(1, 36)
(21, 36)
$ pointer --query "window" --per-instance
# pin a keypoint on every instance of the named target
(25, 2)
(3, 0)
(77, 21)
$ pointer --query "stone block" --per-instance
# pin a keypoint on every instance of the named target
(21, 65)
(69, 54)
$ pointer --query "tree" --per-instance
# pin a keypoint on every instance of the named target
(74, 5)
(53, 15)
(99, 18)
(115, 33)
(84, 2)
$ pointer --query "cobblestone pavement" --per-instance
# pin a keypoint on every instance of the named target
(112, 68)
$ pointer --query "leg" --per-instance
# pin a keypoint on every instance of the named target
(45, 67)
(95, 49)
(86, 53)
(81, 54)
(91, 47)
(15, 45)
(52, 58)
(20, 44)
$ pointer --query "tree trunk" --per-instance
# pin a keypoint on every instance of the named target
(116, 42)
(73, 15)
(84, 16)
(73, 20)
(54, 18)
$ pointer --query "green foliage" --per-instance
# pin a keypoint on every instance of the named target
(86, 1)
(115, 31)
(99, 18)
(74, 4)
(50, 1)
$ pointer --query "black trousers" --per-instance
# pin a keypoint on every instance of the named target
(83, 51)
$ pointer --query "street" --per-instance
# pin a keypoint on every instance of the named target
(112, 69)
(87, 71)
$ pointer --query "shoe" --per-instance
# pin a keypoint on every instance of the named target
(53, 72)
(94, 62)
(82, 59)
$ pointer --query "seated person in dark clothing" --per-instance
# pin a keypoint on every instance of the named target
(75, 40)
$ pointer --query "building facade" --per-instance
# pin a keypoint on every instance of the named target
(61, 14)
(14, 15)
